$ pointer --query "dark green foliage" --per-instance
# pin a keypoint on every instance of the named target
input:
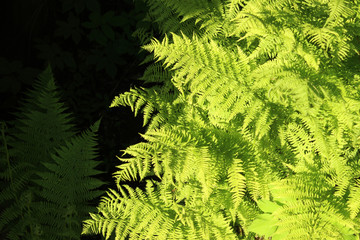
(254, 128)
(66, 34)
(67, 186)
(46, 169)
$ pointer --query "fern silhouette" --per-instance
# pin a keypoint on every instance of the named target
(46, 169)
(254, 130)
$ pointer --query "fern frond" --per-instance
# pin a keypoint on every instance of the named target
(354, 199)
(131, 212)
(252, 128)
(312, 212)
(39, 198)
(73, 163)
(338, 9)
(237, 181)
(134, 211)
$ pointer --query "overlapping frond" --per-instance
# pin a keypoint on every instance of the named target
(257, 119)
(144, 215)
(45, 191)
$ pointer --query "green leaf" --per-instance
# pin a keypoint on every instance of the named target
(279, 236)
(263, 225)
(108, 17)
(267, 206)
(108, 31)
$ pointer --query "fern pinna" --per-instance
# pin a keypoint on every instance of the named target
(252, 129)
(46, 169)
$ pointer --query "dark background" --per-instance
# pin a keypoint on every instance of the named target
(94, 55)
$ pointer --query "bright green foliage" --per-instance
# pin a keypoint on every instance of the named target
(46, 169)
(255, 128)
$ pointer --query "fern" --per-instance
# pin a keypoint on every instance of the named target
(145, 216)
(254, 129)
(47, 184)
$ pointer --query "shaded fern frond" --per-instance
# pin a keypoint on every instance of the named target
(46, 190)
(62, 208)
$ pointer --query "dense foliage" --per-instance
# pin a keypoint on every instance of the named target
(253, 127)
(46, 169)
